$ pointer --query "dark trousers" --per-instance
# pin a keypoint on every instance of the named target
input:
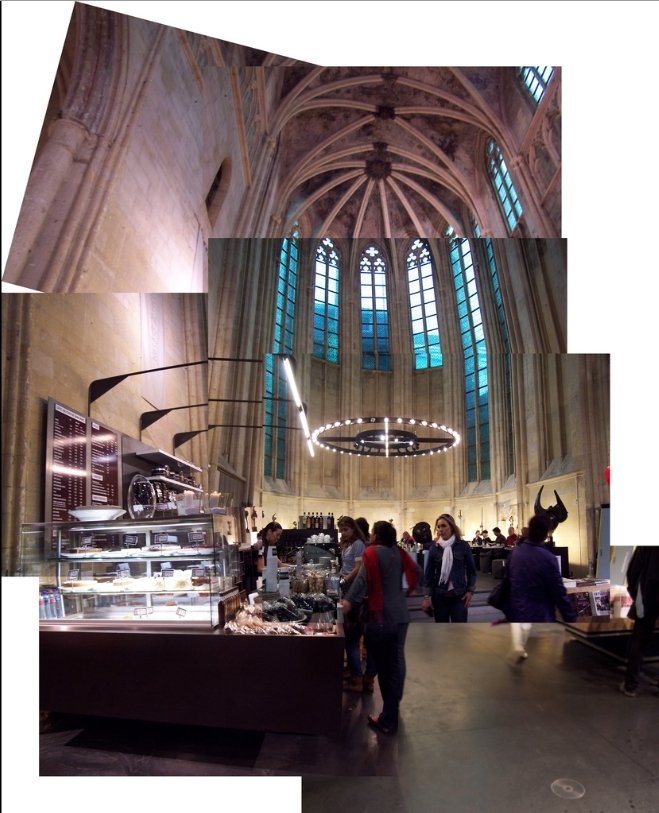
(642, 632)
(353, 630)
(386, 646)
(448, 607)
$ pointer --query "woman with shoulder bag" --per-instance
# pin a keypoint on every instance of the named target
(450, 575)
(381, 577)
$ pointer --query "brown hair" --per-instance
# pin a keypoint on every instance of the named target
(349, 522)
(385, 533)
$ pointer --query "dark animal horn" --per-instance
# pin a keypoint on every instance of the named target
(559, 511)
(538, 510)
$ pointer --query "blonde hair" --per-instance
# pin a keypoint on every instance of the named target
(454, 526)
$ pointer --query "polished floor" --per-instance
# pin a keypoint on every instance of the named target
(477, 734)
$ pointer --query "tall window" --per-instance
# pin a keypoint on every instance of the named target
(276, 389)
(423, 307)
(505, 340)
(477, 407)
(326, 303)
(503, 185)
(375, 317)
(536, 80)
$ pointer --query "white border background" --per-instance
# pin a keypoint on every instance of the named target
(607, 51)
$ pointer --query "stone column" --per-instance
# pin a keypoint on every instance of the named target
(51, 169)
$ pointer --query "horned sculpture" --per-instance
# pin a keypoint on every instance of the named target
(555, 513)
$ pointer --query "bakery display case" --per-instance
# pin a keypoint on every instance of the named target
(155, 571)
(144, 610)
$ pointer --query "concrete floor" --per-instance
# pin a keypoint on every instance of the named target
(476, 735)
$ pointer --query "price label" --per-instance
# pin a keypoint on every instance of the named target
(130, 541)
(167, 572)
(73, 575)
(180, 611)
(196, 537)
(161, 539)
(86, 541)
(140, 612)
(198, 571)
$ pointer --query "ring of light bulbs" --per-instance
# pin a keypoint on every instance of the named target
(393, 439)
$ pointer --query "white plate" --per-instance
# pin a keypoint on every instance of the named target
(90, 513)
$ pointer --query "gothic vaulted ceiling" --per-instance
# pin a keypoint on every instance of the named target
(369, 152)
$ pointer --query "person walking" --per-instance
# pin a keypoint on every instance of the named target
(450, 574)
(519, 635)
(536, 587)
(385, 629)
(643, 587)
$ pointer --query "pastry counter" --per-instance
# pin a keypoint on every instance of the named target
(138, 621)
(194, 676)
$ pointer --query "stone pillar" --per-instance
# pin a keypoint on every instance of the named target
(51, 169)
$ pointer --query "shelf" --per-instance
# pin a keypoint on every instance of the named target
(115, 560)
(177, 484)
(124, 591)
(159, 457)
(122, 525)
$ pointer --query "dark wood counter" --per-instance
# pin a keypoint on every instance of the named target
(194, 677)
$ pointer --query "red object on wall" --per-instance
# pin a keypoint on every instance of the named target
(607, 475)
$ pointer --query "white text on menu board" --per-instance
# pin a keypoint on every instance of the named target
(69, 462)
(104, 457)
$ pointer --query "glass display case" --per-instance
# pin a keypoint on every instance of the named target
(160, 570)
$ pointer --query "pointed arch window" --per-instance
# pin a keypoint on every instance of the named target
(535, 80)
(423, 307)
(374, 314)
(503, 185)
(326, 303)
(276, 386)
(505, 341)
(477, 407)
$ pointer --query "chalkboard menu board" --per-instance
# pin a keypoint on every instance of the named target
(83, 463)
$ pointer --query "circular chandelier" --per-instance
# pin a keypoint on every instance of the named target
(385, 437)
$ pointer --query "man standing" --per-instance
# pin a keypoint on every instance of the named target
(643, 587)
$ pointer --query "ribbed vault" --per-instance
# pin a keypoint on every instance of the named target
(391, 151)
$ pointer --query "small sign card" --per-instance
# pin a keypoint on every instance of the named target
(197, 537)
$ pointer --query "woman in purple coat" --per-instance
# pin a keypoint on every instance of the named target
(536, 586)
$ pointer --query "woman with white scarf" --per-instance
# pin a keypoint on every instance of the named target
(450, 575)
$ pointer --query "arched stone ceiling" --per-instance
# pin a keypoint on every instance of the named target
(390, 152)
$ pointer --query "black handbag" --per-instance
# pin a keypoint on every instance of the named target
(499, 597)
